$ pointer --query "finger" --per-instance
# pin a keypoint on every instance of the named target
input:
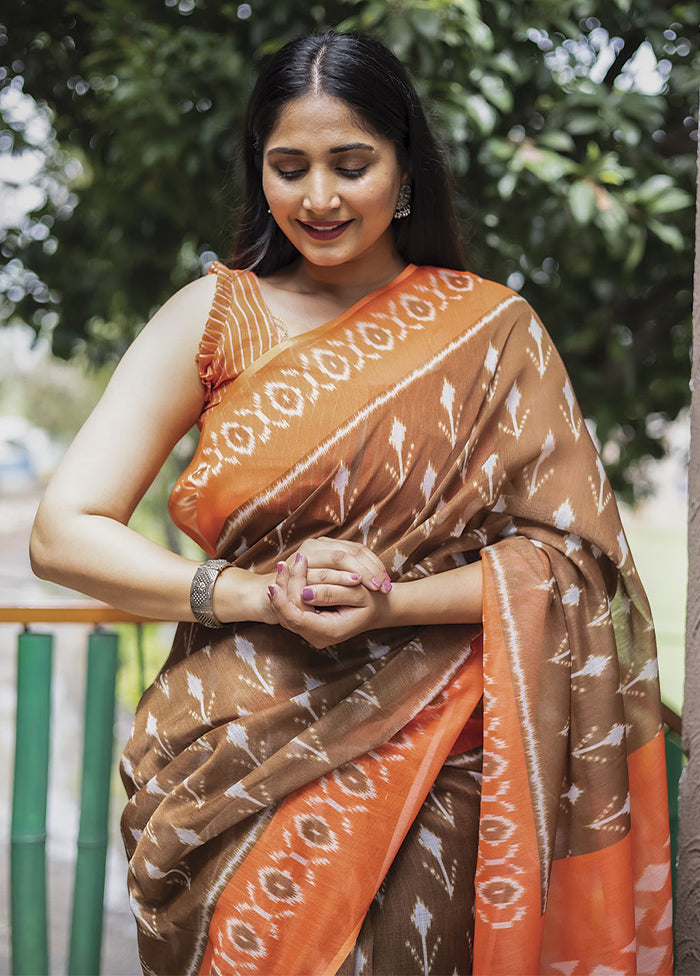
(335, 577)
(328, 595)
(281, 586)
(353, 557)
(349, 557)
(285, 598)
(314, 625)
(287, 613)
(296, 578)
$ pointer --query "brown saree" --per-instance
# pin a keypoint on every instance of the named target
(295, 811)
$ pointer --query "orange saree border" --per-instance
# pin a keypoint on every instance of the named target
(275, 916)
(608, 911)
(632, 882)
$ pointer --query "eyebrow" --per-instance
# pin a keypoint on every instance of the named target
(335, 149)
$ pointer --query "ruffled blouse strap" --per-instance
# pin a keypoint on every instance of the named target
(238, 331)
(211, 356)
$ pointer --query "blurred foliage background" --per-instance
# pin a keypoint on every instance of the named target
(571, 126)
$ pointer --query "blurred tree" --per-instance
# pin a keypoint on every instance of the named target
(570, 123)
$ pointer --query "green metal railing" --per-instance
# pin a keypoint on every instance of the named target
(28, 898)
(29, 916)
(28, 833)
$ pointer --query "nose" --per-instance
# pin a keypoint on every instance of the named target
(320, 193)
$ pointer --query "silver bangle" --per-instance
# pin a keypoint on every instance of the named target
(202, 592)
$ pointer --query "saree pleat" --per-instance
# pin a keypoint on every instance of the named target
(303, 811)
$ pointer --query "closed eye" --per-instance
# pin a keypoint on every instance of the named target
(352, 174)
(293, 174)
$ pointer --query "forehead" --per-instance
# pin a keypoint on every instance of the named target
(318, 121)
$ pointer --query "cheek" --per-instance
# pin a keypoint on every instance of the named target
(270, 191)
(276, 192)
(377, 198)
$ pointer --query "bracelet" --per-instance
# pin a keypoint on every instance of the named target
(202, 592)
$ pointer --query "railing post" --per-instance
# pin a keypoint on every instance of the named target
(30, 955)
(88, 892)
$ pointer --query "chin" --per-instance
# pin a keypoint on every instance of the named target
(327, 260)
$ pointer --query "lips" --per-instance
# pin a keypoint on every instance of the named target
(325, 232)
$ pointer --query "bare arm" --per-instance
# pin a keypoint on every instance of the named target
(81, 536)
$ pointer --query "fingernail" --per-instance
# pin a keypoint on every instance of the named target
(376, 582)
(271, 590)
(386, 585)
(281, 567)
(355, 577)
(297, 558)
(307, 594)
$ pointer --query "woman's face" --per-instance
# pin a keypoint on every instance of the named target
(331, 185)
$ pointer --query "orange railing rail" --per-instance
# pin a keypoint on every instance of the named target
(77, 612)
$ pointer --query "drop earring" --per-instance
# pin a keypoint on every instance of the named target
(403, 203)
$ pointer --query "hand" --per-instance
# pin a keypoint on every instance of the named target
(342, 566)
(341, 563)
(324, 613)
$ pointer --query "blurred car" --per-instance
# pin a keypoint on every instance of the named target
(27, 455)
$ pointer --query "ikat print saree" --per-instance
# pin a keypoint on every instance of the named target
(432, 800)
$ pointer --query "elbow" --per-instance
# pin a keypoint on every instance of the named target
(45, 548)
(39, 553)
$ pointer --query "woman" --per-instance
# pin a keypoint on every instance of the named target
(418, 559)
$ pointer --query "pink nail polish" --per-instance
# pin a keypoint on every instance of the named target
(281, 567)
(271, 590)
(376, 582)
(297, 559)
(307, 594)
(356, 577)
(386, 585)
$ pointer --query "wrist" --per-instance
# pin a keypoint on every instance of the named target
(242, 596)
(392, 607)
(450, 597)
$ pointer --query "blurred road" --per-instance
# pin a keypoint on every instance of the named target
(119, 954)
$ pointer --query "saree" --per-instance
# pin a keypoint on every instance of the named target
(438, 799)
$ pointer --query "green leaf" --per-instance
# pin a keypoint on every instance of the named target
(669, 201)
(481, 113)
(655, 185)
(669, 234)
(496, 92)
(500, 148)
(506, 185)
(582, 201)
(546, 165)
(426, 23)
(557, 140)
(638, 238)
(579, 124)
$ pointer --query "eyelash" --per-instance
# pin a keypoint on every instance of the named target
(350, 174)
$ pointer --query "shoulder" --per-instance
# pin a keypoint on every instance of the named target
(196, 301)
(184, 315)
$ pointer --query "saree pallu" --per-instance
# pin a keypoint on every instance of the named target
(416, 800)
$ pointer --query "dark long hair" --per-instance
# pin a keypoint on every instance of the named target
(366, 75)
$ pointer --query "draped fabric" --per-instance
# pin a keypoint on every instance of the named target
(437, 799)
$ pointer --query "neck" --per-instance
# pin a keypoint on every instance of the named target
(359, 275)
